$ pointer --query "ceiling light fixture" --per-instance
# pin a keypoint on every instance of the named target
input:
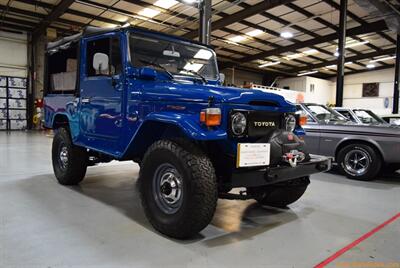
(286, 35)
(254, 33)
(237, 38)
(302, 54)
(165, 3)
(370, 66)
(127, 24)
(307, 73)
(351, 45)
(310, 51)
(148, 12)
(334, 65)
(293, 56)
(190, 1)
(269, 64)
(383, 59)
(357, 44)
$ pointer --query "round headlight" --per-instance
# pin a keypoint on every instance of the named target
(239, 123)
(290, 123)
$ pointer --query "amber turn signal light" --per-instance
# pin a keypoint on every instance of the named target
(302, 120)
(211, 117)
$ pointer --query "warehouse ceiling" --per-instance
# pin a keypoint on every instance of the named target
(280, 37)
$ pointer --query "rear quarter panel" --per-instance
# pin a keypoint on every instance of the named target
(57, 104)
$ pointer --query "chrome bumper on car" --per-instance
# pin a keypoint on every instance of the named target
(271, 175)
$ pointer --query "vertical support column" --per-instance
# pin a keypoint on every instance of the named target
(342, 51)
(205, 21)
(31, 83)
(396, 78)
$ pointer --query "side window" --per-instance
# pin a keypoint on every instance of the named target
(109, 47)
(93, 47)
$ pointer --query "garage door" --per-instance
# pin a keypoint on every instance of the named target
(13, 73)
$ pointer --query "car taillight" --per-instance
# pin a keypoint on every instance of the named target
(210, 117)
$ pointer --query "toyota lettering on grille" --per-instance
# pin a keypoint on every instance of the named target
(264, 124)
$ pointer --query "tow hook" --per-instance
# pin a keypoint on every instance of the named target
(293, 157)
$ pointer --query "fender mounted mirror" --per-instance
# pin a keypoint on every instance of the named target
(221, 78)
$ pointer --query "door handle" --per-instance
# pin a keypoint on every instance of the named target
(85, 100)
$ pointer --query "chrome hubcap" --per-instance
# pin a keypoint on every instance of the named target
(357, 162)
(64, 157)
(167, 188)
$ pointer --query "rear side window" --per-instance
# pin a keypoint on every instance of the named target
(109, 47)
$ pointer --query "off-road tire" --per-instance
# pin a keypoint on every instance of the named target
(199, 190)
(282, 194)
(374, 166)
(75, 170)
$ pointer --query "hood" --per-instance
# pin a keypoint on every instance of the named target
(175, 91)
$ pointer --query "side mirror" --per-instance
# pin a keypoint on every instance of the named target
(147, 73)
(221, 78)
(101, 63)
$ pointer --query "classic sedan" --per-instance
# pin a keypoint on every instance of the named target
(361, 116)
(393, 119)
(361, 151)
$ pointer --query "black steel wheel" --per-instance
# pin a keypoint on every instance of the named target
(69, 161)
(359, 161)
(178, 188)
(281, 194)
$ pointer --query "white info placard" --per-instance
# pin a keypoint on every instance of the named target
(253, 154)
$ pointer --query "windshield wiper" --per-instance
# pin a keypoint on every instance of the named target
(195, 73)
(159, 66)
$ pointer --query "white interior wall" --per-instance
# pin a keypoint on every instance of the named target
(13, 54)
(352, 93)
(321, 92)
(293, 83)
(241, 77)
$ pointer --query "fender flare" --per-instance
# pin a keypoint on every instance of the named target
(189, 125)
(59, 114)
(355, 138)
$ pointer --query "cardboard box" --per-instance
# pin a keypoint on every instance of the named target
(72, 65)
(63, 81)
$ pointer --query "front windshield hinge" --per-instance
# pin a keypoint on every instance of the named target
(210, 101)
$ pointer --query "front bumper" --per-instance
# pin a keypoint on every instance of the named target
(266, 176)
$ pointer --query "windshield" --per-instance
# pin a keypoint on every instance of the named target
(184, 60)
(368, 117)
(325, 114)
(347, 114)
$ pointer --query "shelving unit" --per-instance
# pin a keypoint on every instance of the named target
(13, 108)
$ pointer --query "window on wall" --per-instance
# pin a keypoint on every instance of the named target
(109, 47)
(312, 88)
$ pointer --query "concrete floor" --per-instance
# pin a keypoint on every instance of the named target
(101, 223)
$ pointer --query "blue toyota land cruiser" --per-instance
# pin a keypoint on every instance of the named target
(132, 94)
